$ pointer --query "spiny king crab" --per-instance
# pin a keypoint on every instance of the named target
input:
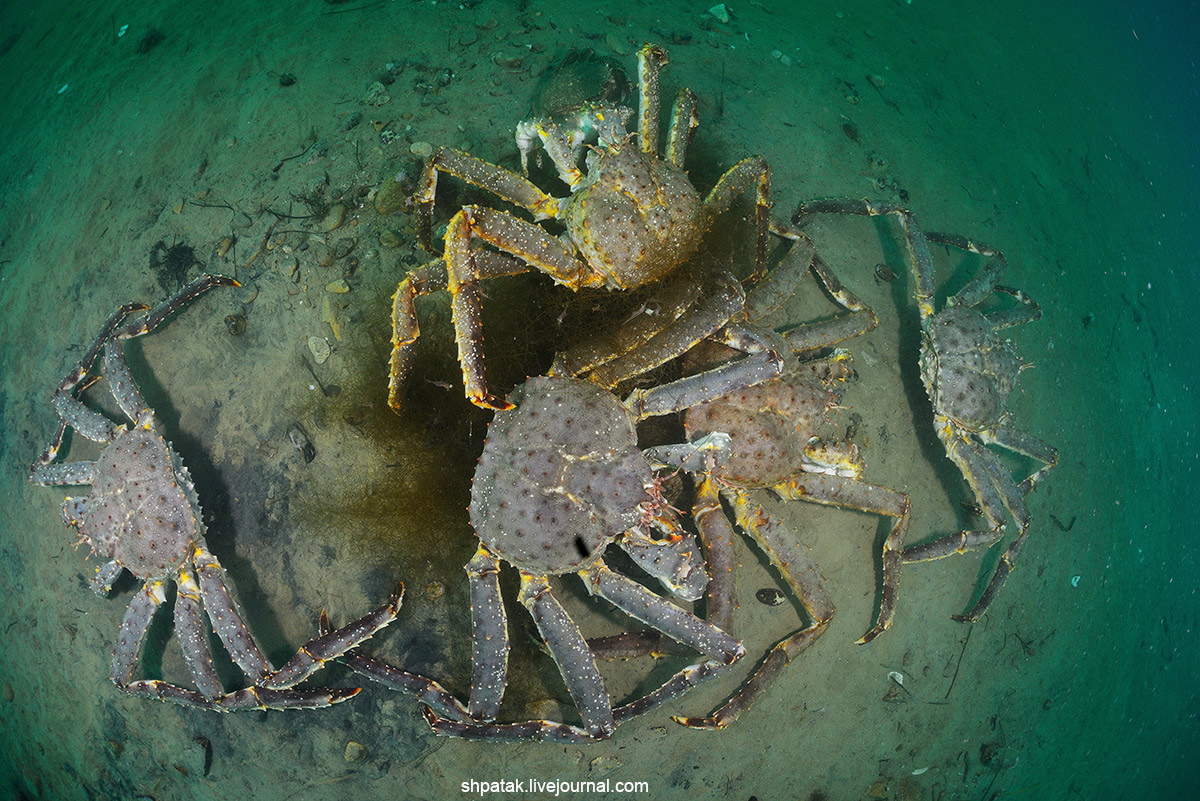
(968, 371)
(631, 219)
(560, 478)
(143, 516)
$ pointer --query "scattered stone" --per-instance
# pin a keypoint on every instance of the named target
(421, 150)
(320, 349)
(334, 217)
(392, 195)
(376, 95)
(355, 752)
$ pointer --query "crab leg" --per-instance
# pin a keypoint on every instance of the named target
(67, 474)
(1027, 312)
(683, 393)
(505, 184)
(423, 280)
(852, 493)
(673, 296)
(129, 643)
(571, 654)
(918, 244)
(227, 619)
(738, 179)
(489, 636)
(332, 644)
(721, 297)
(796, 566)
(639, 603)
(716, 538)
(189, 630)
(1026, 444)
(427, 691)
(651, 60)
(683, 124)
(133, 630)
(539, 249)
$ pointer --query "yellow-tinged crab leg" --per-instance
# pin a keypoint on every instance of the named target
(651, 60)
(683, 123)
(489, 635)
(423, 280)
(737, 179)
(716, 539)
(497, 180)
(467, 265)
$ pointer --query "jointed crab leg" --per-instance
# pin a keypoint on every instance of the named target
(796, 566)
(651, 60)
(501, 182)
(489, 636)
(683, 124)
(639, 603)
(849, 492)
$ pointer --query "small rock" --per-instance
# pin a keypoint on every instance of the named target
(421, 150)
(389, 239)
(320, 349)
(355, 752)
(338, 287)
(334, 218)
(720, 12)
(603, 765)
(376, 95)
(392, 196)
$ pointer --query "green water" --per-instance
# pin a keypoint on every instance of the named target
(1064, 136)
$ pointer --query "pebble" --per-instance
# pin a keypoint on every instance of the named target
(421, 150)
(334, 218)
(338, 287)
(389, 239)
(355, 752)
(320, 349)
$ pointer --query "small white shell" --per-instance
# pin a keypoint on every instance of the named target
(896, 677)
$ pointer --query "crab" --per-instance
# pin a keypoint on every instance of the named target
(560, 478)
(774, 442)
(143, 515)
(968, 371)
(631, 219)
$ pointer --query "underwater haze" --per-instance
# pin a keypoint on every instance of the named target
(147, 143)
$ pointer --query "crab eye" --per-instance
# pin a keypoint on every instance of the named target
(581, 546)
